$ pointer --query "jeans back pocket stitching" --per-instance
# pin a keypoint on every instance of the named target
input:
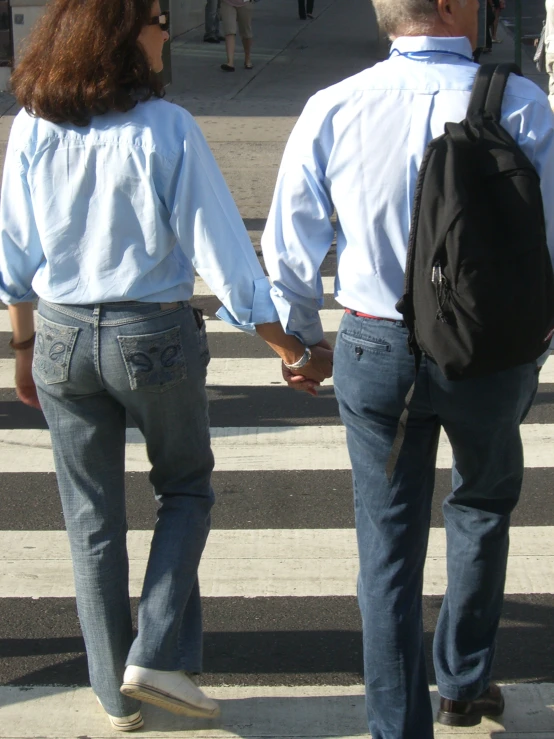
(44, 359)
(377, 347)
(155, 369)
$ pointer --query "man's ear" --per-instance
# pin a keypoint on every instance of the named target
(446, 11)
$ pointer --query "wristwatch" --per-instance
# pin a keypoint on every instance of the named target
(304, 359)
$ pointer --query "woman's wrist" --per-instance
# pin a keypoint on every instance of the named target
(20, 346)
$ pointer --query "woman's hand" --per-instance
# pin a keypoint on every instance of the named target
(24, 384)
(21, 318)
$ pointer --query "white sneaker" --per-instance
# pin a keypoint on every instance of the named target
(174, 691)
(125, 723)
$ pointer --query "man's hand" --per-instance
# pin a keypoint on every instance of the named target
(290, 349)
(309, 377)
(24, 384)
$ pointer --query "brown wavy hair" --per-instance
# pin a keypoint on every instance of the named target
(83, 59)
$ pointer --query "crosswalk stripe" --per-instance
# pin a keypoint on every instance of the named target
(253, 448)
(330, 319)
(202, 290)
(229, 372)
(256, 711)
(241, 372)
(260, 563)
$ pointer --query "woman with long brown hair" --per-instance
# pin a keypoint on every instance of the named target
(111, 199)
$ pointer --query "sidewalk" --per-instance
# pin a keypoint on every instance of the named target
(505, 52)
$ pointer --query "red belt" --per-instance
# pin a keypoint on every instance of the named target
(366, 315)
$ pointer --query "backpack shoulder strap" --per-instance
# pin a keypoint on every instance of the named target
(488, 91)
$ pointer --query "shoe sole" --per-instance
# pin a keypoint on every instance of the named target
(168, 702)
(455, 719)
(138, 723)
(131, 726)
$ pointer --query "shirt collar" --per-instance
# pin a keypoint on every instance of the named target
(407, 45)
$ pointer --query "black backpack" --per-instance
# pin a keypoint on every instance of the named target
(479, 285)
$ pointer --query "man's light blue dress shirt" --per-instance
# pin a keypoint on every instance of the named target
(124, 209)
(357, 149)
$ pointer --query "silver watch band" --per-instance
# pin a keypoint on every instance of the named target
(304, 359)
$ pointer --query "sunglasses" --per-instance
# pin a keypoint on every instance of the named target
(160, 20)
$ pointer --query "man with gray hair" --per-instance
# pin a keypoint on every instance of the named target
(356, 150)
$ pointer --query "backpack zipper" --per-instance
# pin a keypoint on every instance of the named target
(441, 289)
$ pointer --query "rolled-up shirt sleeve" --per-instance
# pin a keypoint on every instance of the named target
(20, 247)
(210, 231)
(299, 231)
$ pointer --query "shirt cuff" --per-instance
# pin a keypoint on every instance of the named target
(9, 299)
(301, 322)
(263, 310)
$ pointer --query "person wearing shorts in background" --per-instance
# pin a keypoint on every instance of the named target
(499, 6)
(235, 12)
(549, 47)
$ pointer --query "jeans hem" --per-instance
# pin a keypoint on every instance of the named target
(468, 693)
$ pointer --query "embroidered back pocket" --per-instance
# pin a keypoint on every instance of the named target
(53, 348)
(154, 362)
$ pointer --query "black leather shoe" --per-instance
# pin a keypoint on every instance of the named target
(470, 713)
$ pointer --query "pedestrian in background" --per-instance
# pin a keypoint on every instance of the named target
(211, 22)
(111, 199)
(233, 13)
(356, 151)
(498, 6)
(490, 24)
(549, 48)
(305, 9)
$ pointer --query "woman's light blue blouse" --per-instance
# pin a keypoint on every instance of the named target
(124, 209)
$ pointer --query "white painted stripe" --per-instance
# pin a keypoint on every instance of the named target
(253, 448)
(225, 371)
(262, 563)
(253, 711)
(202, 290)
(330, 320)
(241, 372)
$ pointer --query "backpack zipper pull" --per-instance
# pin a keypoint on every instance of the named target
(441, 287)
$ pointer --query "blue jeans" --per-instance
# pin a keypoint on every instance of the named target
(92, 365)
(373, 372)
(211, 19)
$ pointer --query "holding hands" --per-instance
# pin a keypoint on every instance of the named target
(309, 374)
(319, 368)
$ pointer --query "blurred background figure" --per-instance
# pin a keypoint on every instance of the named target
(549, 44)
(235, 12)
(305, 10)
(498, 6)
(490, 24)
(211, 22)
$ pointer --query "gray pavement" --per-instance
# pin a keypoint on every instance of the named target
(292, 59)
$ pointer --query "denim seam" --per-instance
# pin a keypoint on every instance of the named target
(65, 312)
(96, 343)
(138, 319)
(120, 322)
(467, 694)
